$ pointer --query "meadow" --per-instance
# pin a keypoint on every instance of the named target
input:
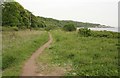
(85, 56)
(70, 53)
(17, 47)
(0, 53)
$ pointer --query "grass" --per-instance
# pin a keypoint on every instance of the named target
(0, 53)
(19, 46)
(87, 56)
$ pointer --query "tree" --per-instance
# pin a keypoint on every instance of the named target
(69, 27)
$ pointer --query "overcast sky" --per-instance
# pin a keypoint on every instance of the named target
(94, 11)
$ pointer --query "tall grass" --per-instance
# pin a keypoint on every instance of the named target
(88, 56)
(0, 53)
(19, 46)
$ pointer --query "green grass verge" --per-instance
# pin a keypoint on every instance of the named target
(18, 46)
(88, 56)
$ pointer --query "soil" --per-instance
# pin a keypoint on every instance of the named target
(30, 67)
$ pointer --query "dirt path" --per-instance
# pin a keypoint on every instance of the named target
(30, 66)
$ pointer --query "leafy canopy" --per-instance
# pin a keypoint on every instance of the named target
(69, 27)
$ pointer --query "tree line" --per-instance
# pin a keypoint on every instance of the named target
(14, 15)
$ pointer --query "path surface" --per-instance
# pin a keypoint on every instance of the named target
(30, 66)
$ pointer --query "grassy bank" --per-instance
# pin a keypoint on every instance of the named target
(87, 56)
(19, 46)
(0, 53)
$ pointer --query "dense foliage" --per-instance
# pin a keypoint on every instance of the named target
(15, 15)
(61, 23)
(85, 32)
(69, 27)
(108, 34)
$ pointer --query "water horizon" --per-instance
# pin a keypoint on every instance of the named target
(113, 29)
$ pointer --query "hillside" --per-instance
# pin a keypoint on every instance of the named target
(14, 14)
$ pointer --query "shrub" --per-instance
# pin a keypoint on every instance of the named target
(85, 32)
(69, 27)
(107, 34)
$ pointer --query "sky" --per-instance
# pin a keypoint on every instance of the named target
(103, 12)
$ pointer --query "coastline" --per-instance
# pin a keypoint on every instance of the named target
(113, 29)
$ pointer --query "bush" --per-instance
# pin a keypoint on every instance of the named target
(69, 27)
(85, 32)
(107, 34)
